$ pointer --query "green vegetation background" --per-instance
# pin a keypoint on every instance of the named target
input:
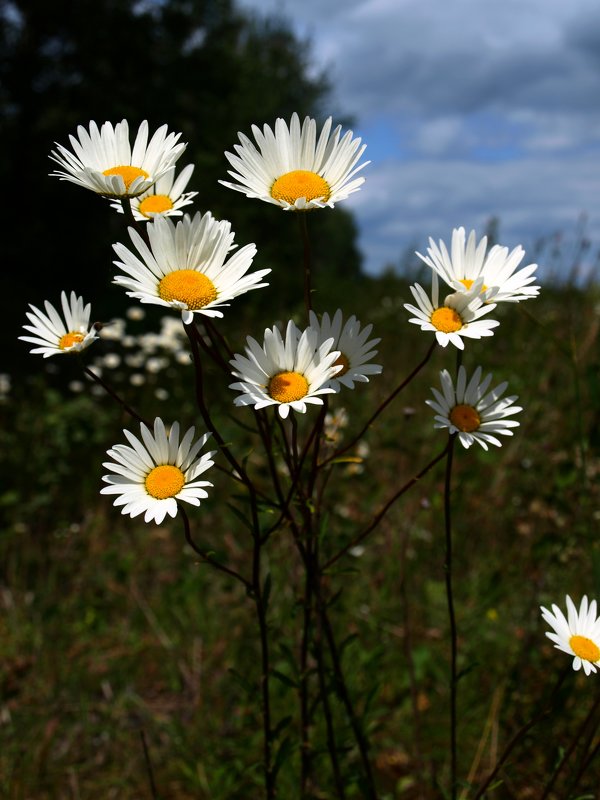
(110, 628)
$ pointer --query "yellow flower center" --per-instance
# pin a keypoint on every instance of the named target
(585, 648)
(467, 283)
(300, 183)
(187, 286)
(285, 387)
(465, 418)
(69, 339)
(129, 174)
(155, 204)
(342, 361)
(164, 481)
(446, 319)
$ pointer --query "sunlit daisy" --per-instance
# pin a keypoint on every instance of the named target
(103, 160)
(354, 345)
(156, 471)
(186, 266)
(288, 374)
(166, 198)
(457, 317)
(578, 634)
(471, 411)
(294, 170)
(467, 262)
(70, 333)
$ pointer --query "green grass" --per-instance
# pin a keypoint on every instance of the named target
(111, 630)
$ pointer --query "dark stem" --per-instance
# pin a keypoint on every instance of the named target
(307, 261)
(381, 408)
(451, 614)
(381, 513)
(131, 411)
(148, 764)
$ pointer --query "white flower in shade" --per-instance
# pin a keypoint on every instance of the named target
(468, 262)
(354, 345)
(288, 374)
(103, 160)
(186, 266)
(54, 334)
(457, 317)
(471, 411)
(294, 170)
(165, 199)
(578, 634)
(156, 471)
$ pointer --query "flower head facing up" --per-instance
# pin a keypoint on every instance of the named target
(293, 169)
(468, 262)
(165, 199)
(288, 374)
(151, 474)
(354, 345)
(471, 411)
(577, 634)
(186, 266)
(54, 334)
(103, 160)
(458, 317)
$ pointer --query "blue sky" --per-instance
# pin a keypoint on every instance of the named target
(470, 109)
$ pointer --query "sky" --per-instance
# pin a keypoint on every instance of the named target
(471, 109)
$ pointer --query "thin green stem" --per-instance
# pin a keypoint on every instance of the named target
(451, 614)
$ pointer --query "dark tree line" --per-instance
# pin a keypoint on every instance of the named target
(201, 66)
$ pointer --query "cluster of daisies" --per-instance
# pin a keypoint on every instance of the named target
(193, 266)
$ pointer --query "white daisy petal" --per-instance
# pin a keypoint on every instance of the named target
(577, 634)
(55, 335)
(290, 168)
(103, 161)
(156, 471)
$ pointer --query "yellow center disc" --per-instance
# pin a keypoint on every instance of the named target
(164, 481)
(467, 283)
(300, 183)
(129, 174)
(285, 387)
(585, 648)
(446, 319)
(155, 204)
(71, 338)
(465, 418)
(187, 286)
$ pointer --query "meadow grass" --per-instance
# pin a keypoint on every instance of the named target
(129, 668)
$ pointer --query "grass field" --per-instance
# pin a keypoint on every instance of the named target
(130, 670)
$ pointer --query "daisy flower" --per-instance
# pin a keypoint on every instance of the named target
(466, 263)
(70, 333)
(471, 411)
(186, 266)
(457, 317)
(166, 198)
(294, 170)
(287, 374)
(103, 161)
(156, 471)
(351, 341)
(578, 634)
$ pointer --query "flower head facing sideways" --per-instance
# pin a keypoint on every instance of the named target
(288, 373)
(187, 267)
(577, 634)
(354, 345)
(103, 160)
(468, 262)
(56, 335)
(472, 410)
(458, 316)
(293, 169)
(151, 474)
(165, 199)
